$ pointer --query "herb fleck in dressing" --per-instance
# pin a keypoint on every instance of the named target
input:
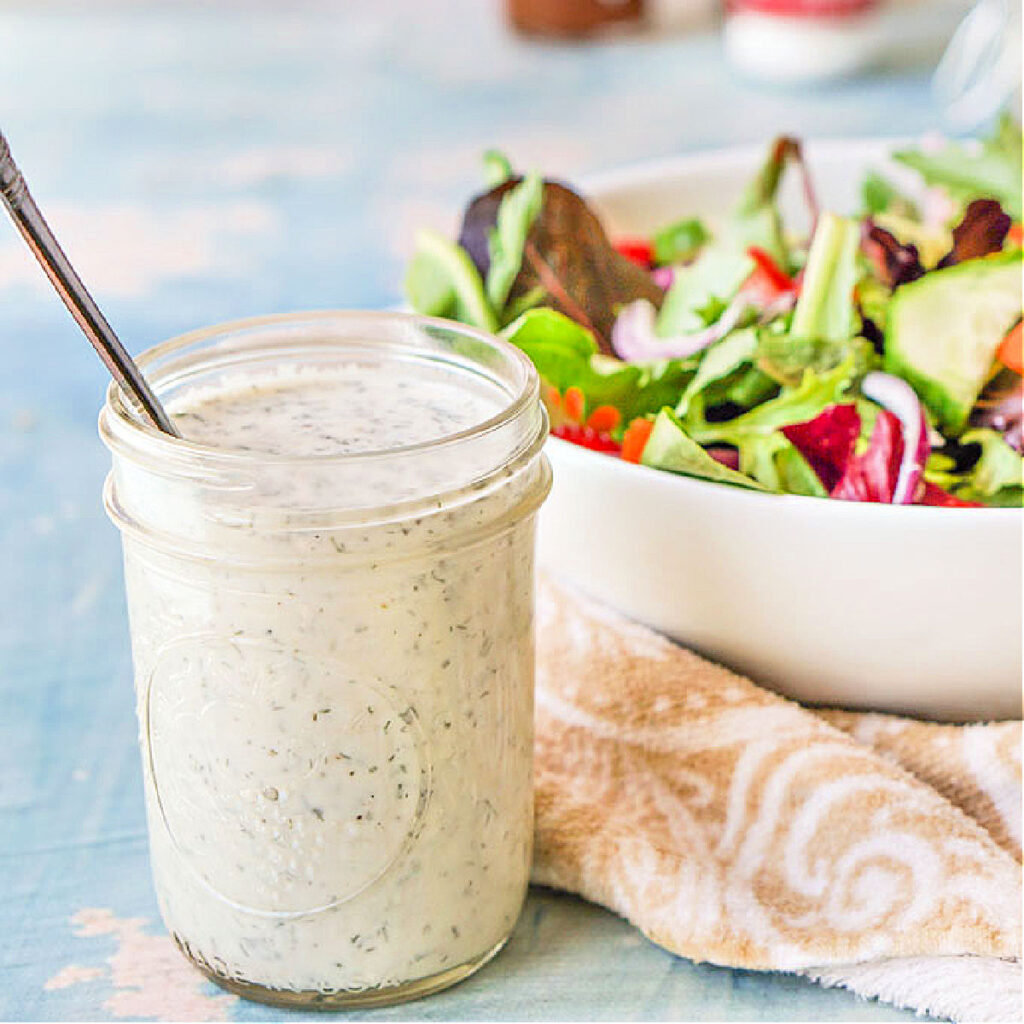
(350, 411)
(337, 717)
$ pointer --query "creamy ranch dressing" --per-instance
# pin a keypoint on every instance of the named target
(344, 410)
(337, 723)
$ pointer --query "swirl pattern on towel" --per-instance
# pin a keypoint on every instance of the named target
(733, 826)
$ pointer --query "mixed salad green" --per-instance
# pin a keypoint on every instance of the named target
(876, 359)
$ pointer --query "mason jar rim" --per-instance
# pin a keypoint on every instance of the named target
(122, 426)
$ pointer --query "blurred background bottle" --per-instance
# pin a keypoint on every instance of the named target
(573, 18)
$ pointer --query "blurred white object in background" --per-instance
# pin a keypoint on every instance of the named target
(794, 41)
(980, 72)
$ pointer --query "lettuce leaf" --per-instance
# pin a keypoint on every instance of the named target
(756, 219)
(766, 462)
(566, 355)
(879, 195)
(871, 475)
(669, 448)
(795, 473)
(568, 262)
(776, 464)
(497, 168)
(785, 358)
(893, 262)
(995, 477)
(746, 388)
(1008, 497)
(998, 476)
(815, 392)
(827, 441)
(766, 454)
(701, 291)
(428, 285)
(826, 309)
(719, 361)
(981, 232)
(442, 281)
(517, 211)
(540, 330)
(850, 469)
(993, 171)
(930, 240)
(679, 242)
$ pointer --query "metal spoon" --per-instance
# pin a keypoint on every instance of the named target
(46, 249)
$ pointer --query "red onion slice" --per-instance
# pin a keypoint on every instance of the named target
(663, 276)
(778, 306)
(634, 338)
(725, 455)
(899, 398)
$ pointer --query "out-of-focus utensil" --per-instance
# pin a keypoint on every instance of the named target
(46, 249)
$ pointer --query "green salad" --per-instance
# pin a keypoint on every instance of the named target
(875, 358)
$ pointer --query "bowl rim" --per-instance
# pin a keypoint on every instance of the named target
(630, 175)
(761, 499)
(602, 184)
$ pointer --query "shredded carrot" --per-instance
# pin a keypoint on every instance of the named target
(553, 397)
(1011, 351)
(574, 404)
(634, 440)
(1016, 234)
(604, 419)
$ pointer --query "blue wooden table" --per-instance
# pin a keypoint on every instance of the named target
(206, 164)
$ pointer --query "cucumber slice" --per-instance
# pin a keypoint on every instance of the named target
(944, 328)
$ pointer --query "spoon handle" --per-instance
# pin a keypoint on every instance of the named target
(46, 249)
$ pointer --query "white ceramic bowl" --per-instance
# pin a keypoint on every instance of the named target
(908, 609)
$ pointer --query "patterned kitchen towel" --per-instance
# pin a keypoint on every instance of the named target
(736, 827)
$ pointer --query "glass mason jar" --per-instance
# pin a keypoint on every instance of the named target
(334, 667)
